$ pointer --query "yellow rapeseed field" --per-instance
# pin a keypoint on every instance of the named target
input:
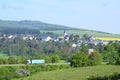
(108, 39)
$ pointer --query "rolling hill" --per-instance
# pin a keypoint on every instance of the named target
(36, 26)
(30, 24)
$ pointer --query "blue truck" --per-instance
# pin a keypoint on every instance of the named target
(36, 61)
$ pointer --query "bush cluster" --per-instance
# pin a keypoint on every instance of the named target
(13, 60)
(118, 61)
(80, 60)
(7, 73)
(10, 72)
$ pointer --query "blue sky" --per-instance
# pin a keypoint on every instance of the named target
(100, 15)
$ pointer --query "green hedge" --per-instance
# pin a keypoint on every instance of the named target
(9, 72)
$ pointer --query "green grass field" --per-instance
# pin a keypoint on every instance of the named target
(81, 73)
(82, 32)
(3, 55)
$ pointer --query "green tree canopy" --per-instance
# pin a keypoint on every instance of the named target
(79, 60)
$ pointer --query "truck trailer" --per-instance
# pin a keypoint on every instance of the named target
(36, 61)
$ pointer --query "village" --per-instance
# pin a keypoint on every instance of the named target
(65, 37)
(76, 40)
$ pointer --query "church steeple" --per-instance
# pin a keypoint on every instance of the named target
(65, 33)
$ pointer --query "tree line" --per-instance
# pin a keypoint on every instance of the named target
(38, 49)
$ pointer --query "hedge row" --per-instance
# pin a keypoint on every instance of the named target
(10, 72)
(80, 59)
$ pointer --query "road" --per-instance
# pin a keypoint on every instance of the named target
(12, 65)
(28, 64)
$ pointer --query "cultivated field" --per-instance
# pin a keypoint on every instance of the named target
(82, 32)
(108, 39)
(81, 73)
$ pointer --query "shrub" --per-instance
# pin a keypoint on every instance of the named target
(118, 61)
(6, 73)
(12, 60)
(95, 58)
(79, 60)
(54, 58)
(3, 61)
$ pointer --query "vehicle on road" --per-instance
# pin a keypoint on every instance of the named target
(36, 61)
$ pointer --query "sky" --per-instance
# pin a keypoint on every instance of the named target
(100, 15)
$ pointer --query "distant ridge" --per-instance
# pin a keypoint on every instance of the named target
(31, 24)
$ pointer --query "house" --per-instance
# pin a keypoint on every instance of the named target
(66, 38)
(31, 38)
(79, 43)
(74, 45)
(1, 38)
(24, 38)
(48, 38)
(105, 42)
(28, 37)
(10, 36)
(90, 51)
(55, 39)
(92, 38)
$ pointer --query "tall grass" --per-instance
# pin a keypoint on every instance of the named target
(82, 73)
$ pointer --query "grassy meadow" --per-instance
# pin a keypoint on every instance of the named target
(3, 55)
(82, 32)
(81, 73)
